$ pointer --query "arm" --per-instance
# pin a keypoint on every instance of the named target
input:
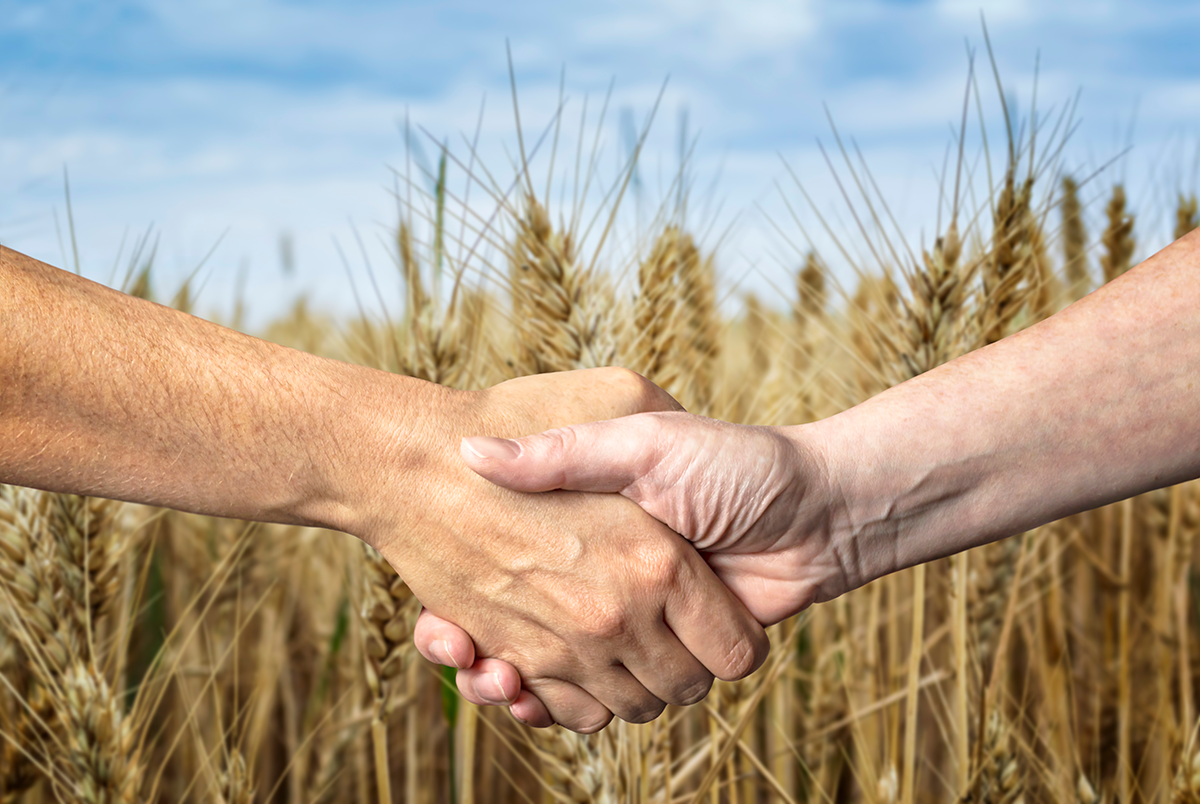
(107, 395)
(1094, 405)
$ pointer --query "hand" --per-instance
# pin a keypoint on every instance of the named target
(757, 501)
(599, 607)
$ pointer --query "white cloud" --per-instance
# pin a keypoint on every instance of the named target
(995, 11)
(726, 29)
(259, 117)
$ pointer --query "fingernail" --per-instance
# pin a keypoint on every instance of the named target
(518, 718)
(491, 690)
(441, 651)
(498, 449)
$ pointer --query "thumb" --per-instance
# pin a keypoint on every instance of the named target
(607, 456)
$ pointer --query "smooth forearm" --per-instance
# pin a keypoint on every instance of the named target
(1091, 406)
(109, 395)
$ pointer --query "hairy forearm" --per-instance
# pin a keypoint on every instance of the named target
(1091, 406)
(108, 395)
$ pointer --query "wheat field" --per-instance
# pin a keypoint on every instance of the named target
(149, 655)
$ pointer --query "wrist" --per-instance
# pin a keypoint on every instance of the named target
(861, 518)
(382, 431)
(864, 506)
(908, 488)
(830, 509)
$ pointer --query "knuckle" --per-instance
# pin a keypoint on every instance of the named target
(637, 394)
(694, 691)
(537, 664)
(744, 657)
(602, 620)
(548, 454)
(657, 563)
(624, 379)
(589, 724)
(552, 444)
(645, 712)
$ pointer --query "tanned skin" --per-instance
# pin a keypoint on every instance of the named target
(1096, 404)
(600, 608)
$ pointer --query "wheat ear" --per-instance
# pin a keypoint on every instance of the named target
(658, 347)
(1074, 242)
(388, 614)
(100, 763)
(59, 573)
(1186, 215)
(1117, 240)
(698, 291)
(1009, 277)
(808, 326)
(576, 767)
(562, 324)
(235, 785)
(930, 334)
(1000, 777)
(435, 346)
(1186, 787)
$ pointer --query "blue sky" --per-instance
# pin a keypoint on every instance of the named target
(237, 120)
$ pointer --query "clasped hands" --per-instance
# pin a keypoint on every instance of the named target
(633, 558)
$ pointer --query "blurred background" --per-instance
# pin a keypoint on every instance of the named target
(264, 134)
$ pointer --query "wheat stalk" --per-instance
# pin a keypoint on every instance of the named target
(658, 344)
(1074, 242)
(59, 565)
(234, 784)
(698, 299)
(989, 579)
(808, 326)
(1117, 239)
(999, 779)
(1046, 287)
(562, 323)
(436, 339)
(1085, 793)
(90, 549)
(1187, 216)
(1009, 276)
(99, 761)
(929, 334)
(577, 767)
(1186, 786)
(388, 613)
(827, 705)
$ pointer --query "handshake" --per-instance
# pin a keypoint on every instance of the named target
(617, 566)
(623, 559)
